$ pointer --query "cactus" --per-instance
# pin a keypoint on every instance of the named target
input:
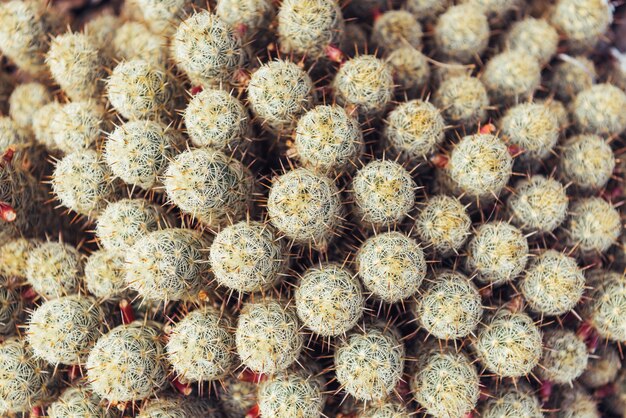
(207, 49)
(77, 65)
(581, 22)
(593, 225)
(538, 204)
(210, 186)
(384, 193)
(329, 299)
(305, 207)
(509, 344)
(328, 140)
(248, 16)
(279, 92)
(427, 9)
(391, 265)
(586, 161)
(77, 126)
(606, 305)
(268, 336)
(388, 409)
(78, 401)
(511, 401)
(462, 99)
(237, 397)
(564, 357)
(415, 129)
(102, 30)
(25, 381)
(83, 183)
(133, 41)
(295, 394)
(410, 71)
(164, 16)
(105, 273)
(602, 368)
(25, 100)
(364, 84)
(54, 269)
(535, 37)
(446, 383)
(462, 33)
(511, 77)
(599, 110)
(533, 128)
(63, 330)
(11, 136)
(167, 265)
(571, 76)
(309, 27)
(42, 124)
(577, 403)
(369, 364)
(395, 29)
(138, 152)
(444, 224)
(216, 120)
(127, 363)
(178, 407)
(201, 347)
(495, 9)
(498, 253)
(449, 306)
(14, 256)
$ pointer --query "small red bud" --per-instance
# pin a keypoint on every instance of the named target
(253, 412)
(334, 54)
(439, 160)
(7, 213)
(127, 311)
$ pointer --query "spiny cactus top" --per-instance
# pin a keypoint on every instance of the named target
(586, 161)
(207, 49)
(577, 403)
(538, 204)
(384, 193)
(102, 29)
(444, 224)
(564, 356)
(462, 33)
(329, 299)
(534, 36)
(279, 92)
(54, 269)
(25, 100)
(42, 124)
(369, 364)
(133, 40)
(201, 346)
(247, 16)
(509, 344)
(237, 397)
(462, 99)
(446, 383)
(391, 265)
(328, 140)
(309, 27)
(364, 84)
(127, 363)
(599, 109)
(511, 76)
(78, 401)
(410, 69)
(495, 9)
(582, 22)
(105, 274)
(427, 9)
(305, 207)
(167, 265)
(63, 330)
(170, 406)
(268, 336)
(25, 381)
(396, 28)
(415, 128)
(292, 394)
(78, 125)
(533, 128)
(164, 16)
(571, 76)
(511, 401)
(389, 409)
(607, 304)
(209, 185)
(602, 368)
(553, 283)
(594, 225)
(14, 256)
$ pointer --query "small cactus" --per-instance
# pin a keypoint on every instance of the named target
(606, 306)
(396, 28)
(133, 41)
(248, 16)
(511, 401)
(462, 99)
(14, 256)
(538, 204)
(593, 225)
(105, 273)
(237, 397)
(571, 75)
(535, 37)
(25, 100)
(42, 124)
(444, 224)
(511, 77)
(389, 409)
(599, 110)
(577, 403)
(533, 128)
(54, 269)
(78, 125)
(164, 16)
(564, 357)
(462, 33)
(581, 22)
(427, 9)
(586, 161)
(78, 401)
(178, 407)
(602, 368)
(410, 70)
(293, 394)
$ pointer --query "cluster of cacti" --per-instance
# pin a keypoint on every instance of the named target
(312, 208)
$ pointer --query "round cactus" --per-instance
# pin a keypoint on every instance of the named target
(167, 265)
(496, 10)
(54, 269)
(77, 401)
(105, 273)
(25, 100)
(538, 204)
(564, 356)
(42, 124)
(309, 27)
(77, 65)
(207, 49)
(164, 16)
(268, 336)
(305, 207)
(201, 347)
(25, 381)
(210, 186)
(384, 193)
(133, 41)
(607, 303)
(77, 125)
(462, 99)
(498, 252)
(410, 70)
(365, 84)
(396, 28)
(602, 368)
(391, 265)
(247, 257)
(328, 140)
(599, 110)
(138, 89)
(535, 37)
(291, 395)
(586, 161)
(13, 136)
(511, 76)
(577, 403)
(217, 120)
(63, 330)
(444, 224)
(248, 16)
(83, 183)
(237, 397)
(279, 92)
(512, 401)
(372, 376)
(389, 409)
(415, 129)
(14, 256)
(102, 28)
(427, 9)
(533, 128)
(449, 306)
(594, 225)
(178, 407)
(329, 300)
(581, 22)
(509, 344)
(462, 33)
(127, 363)
(571, 76)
